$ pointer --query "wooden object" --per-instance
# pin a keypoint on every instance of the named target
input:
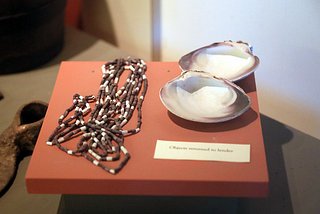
(52, 171)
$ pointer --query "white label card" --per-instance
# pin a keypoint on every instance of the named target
(202, 151)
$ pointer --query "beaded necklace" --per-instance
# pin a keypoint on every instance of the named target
(103, 134)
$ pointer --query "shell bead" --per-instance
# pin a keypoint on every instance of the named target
(102, 135)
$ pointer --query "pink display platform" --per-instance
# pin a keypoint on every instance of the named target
(52, 171)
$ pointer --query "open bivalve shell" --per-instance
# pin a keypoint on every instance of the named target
(198, 96)
(229, 60)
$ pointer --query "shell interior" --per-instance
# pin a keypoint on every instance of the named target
(197, 96)
(229, 60)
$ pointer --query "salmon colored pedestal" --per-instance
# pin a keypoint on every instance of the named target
(52, 171)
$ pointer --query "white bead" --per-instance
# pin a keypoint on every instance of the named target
(96, 156)
(86, 135)
(61, 139)
(124, 150)
(86, 109)
(103, 68)
(118, 93)
(96, 162)
(123, 122)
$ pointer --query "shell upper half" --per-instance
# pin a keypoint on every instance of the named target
(200, 97)
(229, 60)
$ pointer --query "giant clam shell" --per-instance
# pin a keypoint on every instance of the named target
(229, 60)
(200, 97)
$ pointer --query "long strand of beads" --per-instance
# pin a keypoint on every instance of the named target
(103, 133)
